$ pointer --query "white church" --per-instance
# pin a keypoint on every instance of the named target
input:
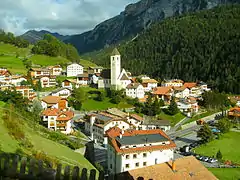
(116, 77)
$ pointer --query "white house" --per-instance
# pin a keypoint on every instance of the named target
(116, 77)
(133, 149)
(188, 106)
(5, 76)
(94, 78)
(48, 81)
(149, 123)
(57, 119)
(27, 92)
(135, 90)
(16, 80)
(74, 69)
(83, 79)
(181, 92)
(62, 92)
(95, 70)
(56, 102)
(39, 72)
(55, 70)
(149, 84)
(172, 83)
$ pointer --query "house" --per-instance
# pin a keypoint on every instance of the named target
(172, 83)
(74, 69)
(62, 92)
(27, 92)
(181, 92)
(149, 123)
(188, 106)
(39, 72)
(194, 90)
(5, 86)
(93, 78)
(17, 79)
(57, 119)
(185, 168)
(234, 113)
(114, 77)
(149, 84)
(55, 70)
(48, 81)
(54, 102)
(164, 93)
(135, 90)
(95, 70)
(5, 76)
(134, 149)
(82, 79)
(69, 83)
(203, 86)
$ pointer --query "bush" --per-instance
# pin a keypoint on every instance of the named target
(219, 155)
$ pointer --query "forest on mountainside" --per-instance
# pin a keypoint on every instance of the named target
(196, 46)
(52, 46)
(9, 38)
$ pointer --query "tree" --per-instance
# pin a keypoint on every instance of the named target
(79, 94)
(205, 133)
(100, 96)
(116, 99)
(36, 110)
(219, 155)
(172, 108)
(224, 125)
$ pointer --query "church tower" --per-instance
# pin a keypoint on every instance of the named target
(115, 68)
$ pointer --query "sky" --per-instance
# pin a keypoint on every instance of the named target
(63, 16)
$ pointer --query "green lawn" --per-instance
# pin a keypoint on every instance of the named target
(9, 49)
(47, 60)
(86, 63)
(12, 63)
(228, 144)
(7, 143)
(226, 173)
(173, 119)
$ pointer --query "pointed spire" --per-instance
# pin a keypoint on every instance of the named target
(115, 52)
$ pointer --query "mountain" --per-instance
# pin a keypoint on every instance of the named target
(196, 46)
(134, 19)
(33, 36)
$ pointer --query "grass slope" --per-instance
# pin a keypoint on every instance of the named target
(9, 49)
(64, 154)
(173, 119)
(12, 63)
(227, 144)
(226, 173)
(47, 60)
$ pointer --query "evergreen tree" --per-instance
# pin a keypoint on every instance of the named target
(219, 155)
(173, 109)
(205, 134)
(224, 125)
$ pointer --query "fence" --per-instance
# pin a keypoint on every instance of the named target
(31, 169)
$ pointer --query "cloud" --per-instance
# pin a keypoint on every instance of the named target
(62, 16)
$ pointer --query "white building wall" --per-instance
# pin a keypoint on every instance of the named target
(64, 93)
(104, 83)
(74, 70)
(52, 119)
(115, 69)
(70, 85)
(136, 93)
(56, 71)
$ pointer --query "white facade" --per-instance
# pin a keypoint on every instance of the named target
(94, 79)
(173, 83)
(47, 82)
(17, 81)
(104, 83)
(118, 162)
(56, 70)
(137, 92)
(64, 93)
(188, 108)
(74, 69)
(150, 86)
(67, 84)
(154, 126)
(115, 69)
(182, 94)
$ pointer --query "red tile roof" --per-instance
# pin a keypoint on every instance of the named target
(51, 99)
(149, 81)
(61, 115)
(115, 131)
(161, 90)
(190, 84)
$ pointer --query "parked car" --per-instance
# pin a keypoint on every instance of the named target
(211, 160)
(205, 159)
(201, 157)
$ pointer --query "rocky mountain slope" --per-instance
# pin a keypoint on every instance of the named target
(134, 19)
(33, 36)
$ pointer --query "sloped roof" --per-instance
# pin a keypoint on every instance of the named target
(60, 89)
(149, 81)
(84, 75)
(61, 115)
(124, 77)
(106, 74)
(187, 168)
(182, 88)
(137, 117)
(115, 52)
(161, 90)
(117, 112)
(133, 86)
(190, 84)
(51, 99)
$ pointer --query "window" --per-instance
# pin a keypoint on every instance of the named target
(134, 146)
(144, 163)
(127, 156)
(137, 164)
(127, 166)
(127, 147)
(134, 156)
(144, 154)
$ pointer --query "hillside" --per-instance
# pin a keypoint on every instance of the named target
(198, 46)
(37, 138)
(134, 19)
(33, 36)
(11, 57)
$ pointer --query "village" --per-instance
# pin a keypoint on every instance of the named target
(124, 139)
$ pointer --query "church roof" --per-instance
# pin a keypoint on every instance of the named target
(124, 77)
(115, 52)
(133, 85)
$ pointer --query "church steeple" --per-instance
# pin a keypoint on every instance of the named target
(115, 52)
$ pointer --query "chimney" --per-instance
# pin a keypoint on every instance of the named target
(173, 166)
